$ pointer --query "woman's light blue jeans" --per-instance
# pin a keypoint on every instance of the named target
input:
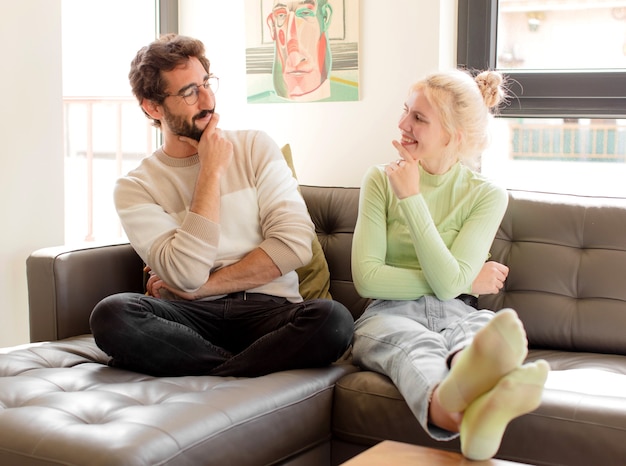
(411, 342)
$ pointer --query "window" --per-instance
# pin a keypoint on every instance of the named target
(106, 133)
(563, 129)
(575, 35)
(575, 92)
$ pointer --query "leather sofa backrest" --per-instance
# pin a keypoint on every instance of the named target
(566, 254)
(334, 211)
(65, 284)
(567, 278)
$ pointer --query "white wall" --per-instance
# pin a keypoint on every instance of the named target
(31, 180)
(333, 143)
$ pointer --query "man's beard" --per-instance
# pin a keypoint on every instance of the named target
(182, 127)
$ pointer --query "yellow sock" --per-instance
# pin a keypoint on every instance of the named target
(486, 418)
(496, 350)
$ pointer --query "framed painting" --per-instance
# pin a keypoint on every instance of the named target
(302, 51)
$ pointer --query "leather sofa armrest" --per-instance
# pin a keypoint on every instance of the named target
(65, 283)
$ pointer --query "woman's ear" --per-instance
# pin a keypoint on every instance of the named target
(455, 140)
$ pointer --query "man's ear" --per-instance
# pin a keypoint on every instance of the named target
(327, 14)
(271, 25)
(152, 109)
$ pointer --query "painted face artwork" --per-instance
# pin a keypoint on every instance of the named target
(302, 58)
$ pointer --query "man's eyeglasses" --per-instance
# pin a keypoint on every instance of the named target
(190, 94)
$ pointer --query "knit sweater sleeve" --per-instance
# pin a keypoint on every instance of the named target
(260, 207)
(438, 256)
(152, 202)
(450, 269)
(373, 277)
(287, 229)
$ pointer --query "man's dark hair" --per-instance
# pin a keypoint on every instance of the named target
(164, 54)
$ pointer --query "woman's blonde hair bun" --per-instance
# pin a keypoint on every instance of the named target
(490, 84)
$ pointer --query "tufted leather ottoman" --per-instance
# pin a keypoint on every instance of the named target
(61, 404)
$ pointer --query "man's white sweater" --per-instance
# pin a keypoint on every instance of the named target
(260, 207)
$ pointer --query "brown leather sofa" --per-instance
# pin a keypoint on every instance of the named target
(61, 404)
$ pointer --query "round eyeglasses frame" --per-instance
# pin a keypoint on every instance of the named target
(190, 94)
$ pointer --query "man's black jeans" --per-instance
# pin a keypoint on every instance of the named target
(239, 335)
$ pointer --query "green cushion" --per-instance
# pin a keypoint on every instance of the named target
(315, 276)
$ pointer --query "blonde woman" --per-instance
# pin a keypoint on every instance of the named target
(426, 223)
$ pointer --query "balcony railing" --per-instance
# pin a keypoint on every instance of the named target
(569, 142)
(104, 138)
